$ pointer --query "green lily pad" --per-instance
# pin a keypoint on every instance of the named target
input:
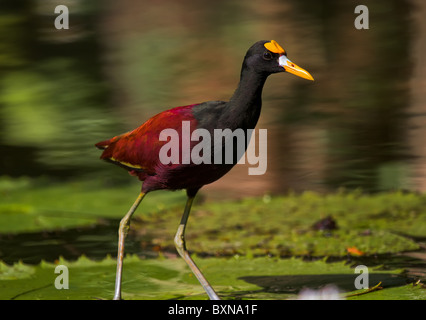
(28, 206)
(272, 225)
(282, 225)
(232, 278)
(250, 235)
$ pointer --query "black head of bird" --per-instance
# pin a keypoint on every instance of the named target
(268, 57)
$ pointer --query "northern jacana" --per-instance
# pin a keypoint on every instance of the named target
(138, 151)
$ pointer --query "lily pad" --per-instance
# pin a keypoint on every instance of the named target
(28, 206)
(233, 278)
(282, 225)
(251, 236)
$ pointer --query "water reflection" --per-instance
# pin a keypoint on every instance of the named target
(360, 124)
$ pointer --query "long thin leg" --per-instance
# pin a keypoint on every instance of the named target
(123, 230)
(181, 248)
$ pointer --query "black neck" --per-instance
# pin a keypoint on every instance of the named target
(245, 104)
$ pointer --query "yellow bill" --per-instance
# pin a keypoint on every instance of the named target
(290, 67)
(284, 62)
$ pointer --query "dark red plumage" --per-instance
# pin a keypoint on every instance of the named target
(138, 152)
(138, 149)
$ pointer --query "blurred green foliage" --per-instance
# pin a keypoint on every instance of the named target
(63, 91)
(54, 104)
(55, 112)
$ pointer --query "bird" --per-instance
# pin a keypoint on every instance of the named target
(139, 151)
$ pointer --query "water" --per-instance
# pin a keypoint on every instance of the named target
(31, 248)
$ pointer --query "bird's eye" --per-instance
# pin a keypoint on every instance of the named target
(267, 55)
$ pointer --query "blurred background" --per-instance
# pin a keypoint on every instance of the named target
(361, 124)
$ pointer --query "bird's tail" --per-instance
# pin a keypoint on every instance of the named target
(103, 144)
